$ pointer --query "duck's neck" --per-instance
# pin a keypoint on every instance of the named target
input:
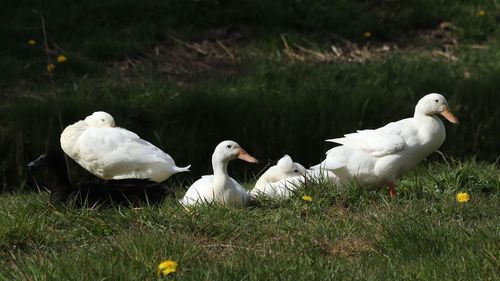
(431, 129)
(424, 117)
(220, 174)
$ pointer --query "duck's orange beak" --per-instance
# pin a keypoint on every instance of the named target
(449, 116)
(247, 157)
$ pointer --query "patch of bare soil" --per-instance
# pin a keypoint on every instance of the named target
(347, 248)
(220, 51)
(439, 42)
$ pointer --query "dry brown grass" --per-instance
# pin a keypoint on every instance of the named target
(439, 42)
(350, 247)
(221, 51)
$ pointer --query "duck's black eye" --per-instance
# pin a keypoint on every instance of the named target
(296, 171)
(102, 120)
(436, 100)
(229, 146)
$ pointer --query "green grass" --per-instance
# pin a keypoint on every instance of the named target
(136, 60)
(269, 107)
(343, 234)
(270, 104)
(186, 102)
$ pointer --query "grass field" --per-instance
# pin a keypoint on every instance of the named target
(275, 80)
(351, 233)
(278, 77)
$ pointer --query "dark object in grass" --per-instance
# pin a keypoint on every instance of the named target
(98, 192)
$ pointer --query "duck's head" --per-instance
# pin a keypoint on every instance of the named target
(230, 150)
(434, 104)
(286, 166)
(54, 161)
(100, 119)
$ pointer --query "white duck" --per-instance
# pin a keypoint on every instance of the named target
(280, 180)
(219, 187)
(113, 153)
(379, 156)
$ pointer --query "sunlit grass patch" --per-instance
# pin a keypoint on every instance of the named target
(350, 232)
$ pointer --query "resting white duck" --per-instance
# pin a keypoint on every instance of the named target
(219, 187)
(127, 191)
(280, 180)
(379, 156)
(113, 153)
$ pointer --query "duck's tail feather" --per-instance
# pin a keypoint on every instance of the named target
(315, 167)
(183, 169)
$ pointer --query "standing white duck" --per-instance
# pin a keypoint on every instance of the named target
(379, 156)
(280, 180)
(219, 187)
(113, 153)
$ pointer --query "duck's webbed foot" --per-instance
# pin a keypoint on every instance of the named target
(392, 189)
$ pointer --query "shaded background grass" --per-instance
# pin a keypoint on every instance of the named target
(264, 100)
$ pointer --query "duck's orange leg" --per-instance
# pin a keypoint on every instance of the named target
(392, 189)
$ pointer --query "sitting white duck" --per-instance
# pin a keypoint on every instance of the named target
(126, 191)
(219, 187)
(280, 180)
(113, 153)
(379, 156)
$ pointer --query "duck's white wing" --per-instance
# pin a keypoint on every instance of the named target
(119, 153)
(278, 190)
(200, 191)
(330, 163)
(318, 173)
(121, 144)
(379, 142)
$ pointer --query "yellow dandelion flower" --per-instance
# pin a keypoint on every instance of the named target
(307, 198)
(481, 13)
(167, 267)
(462, 197)
(367, 34)
(61, 58)
(51, 67)
(31, 42)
